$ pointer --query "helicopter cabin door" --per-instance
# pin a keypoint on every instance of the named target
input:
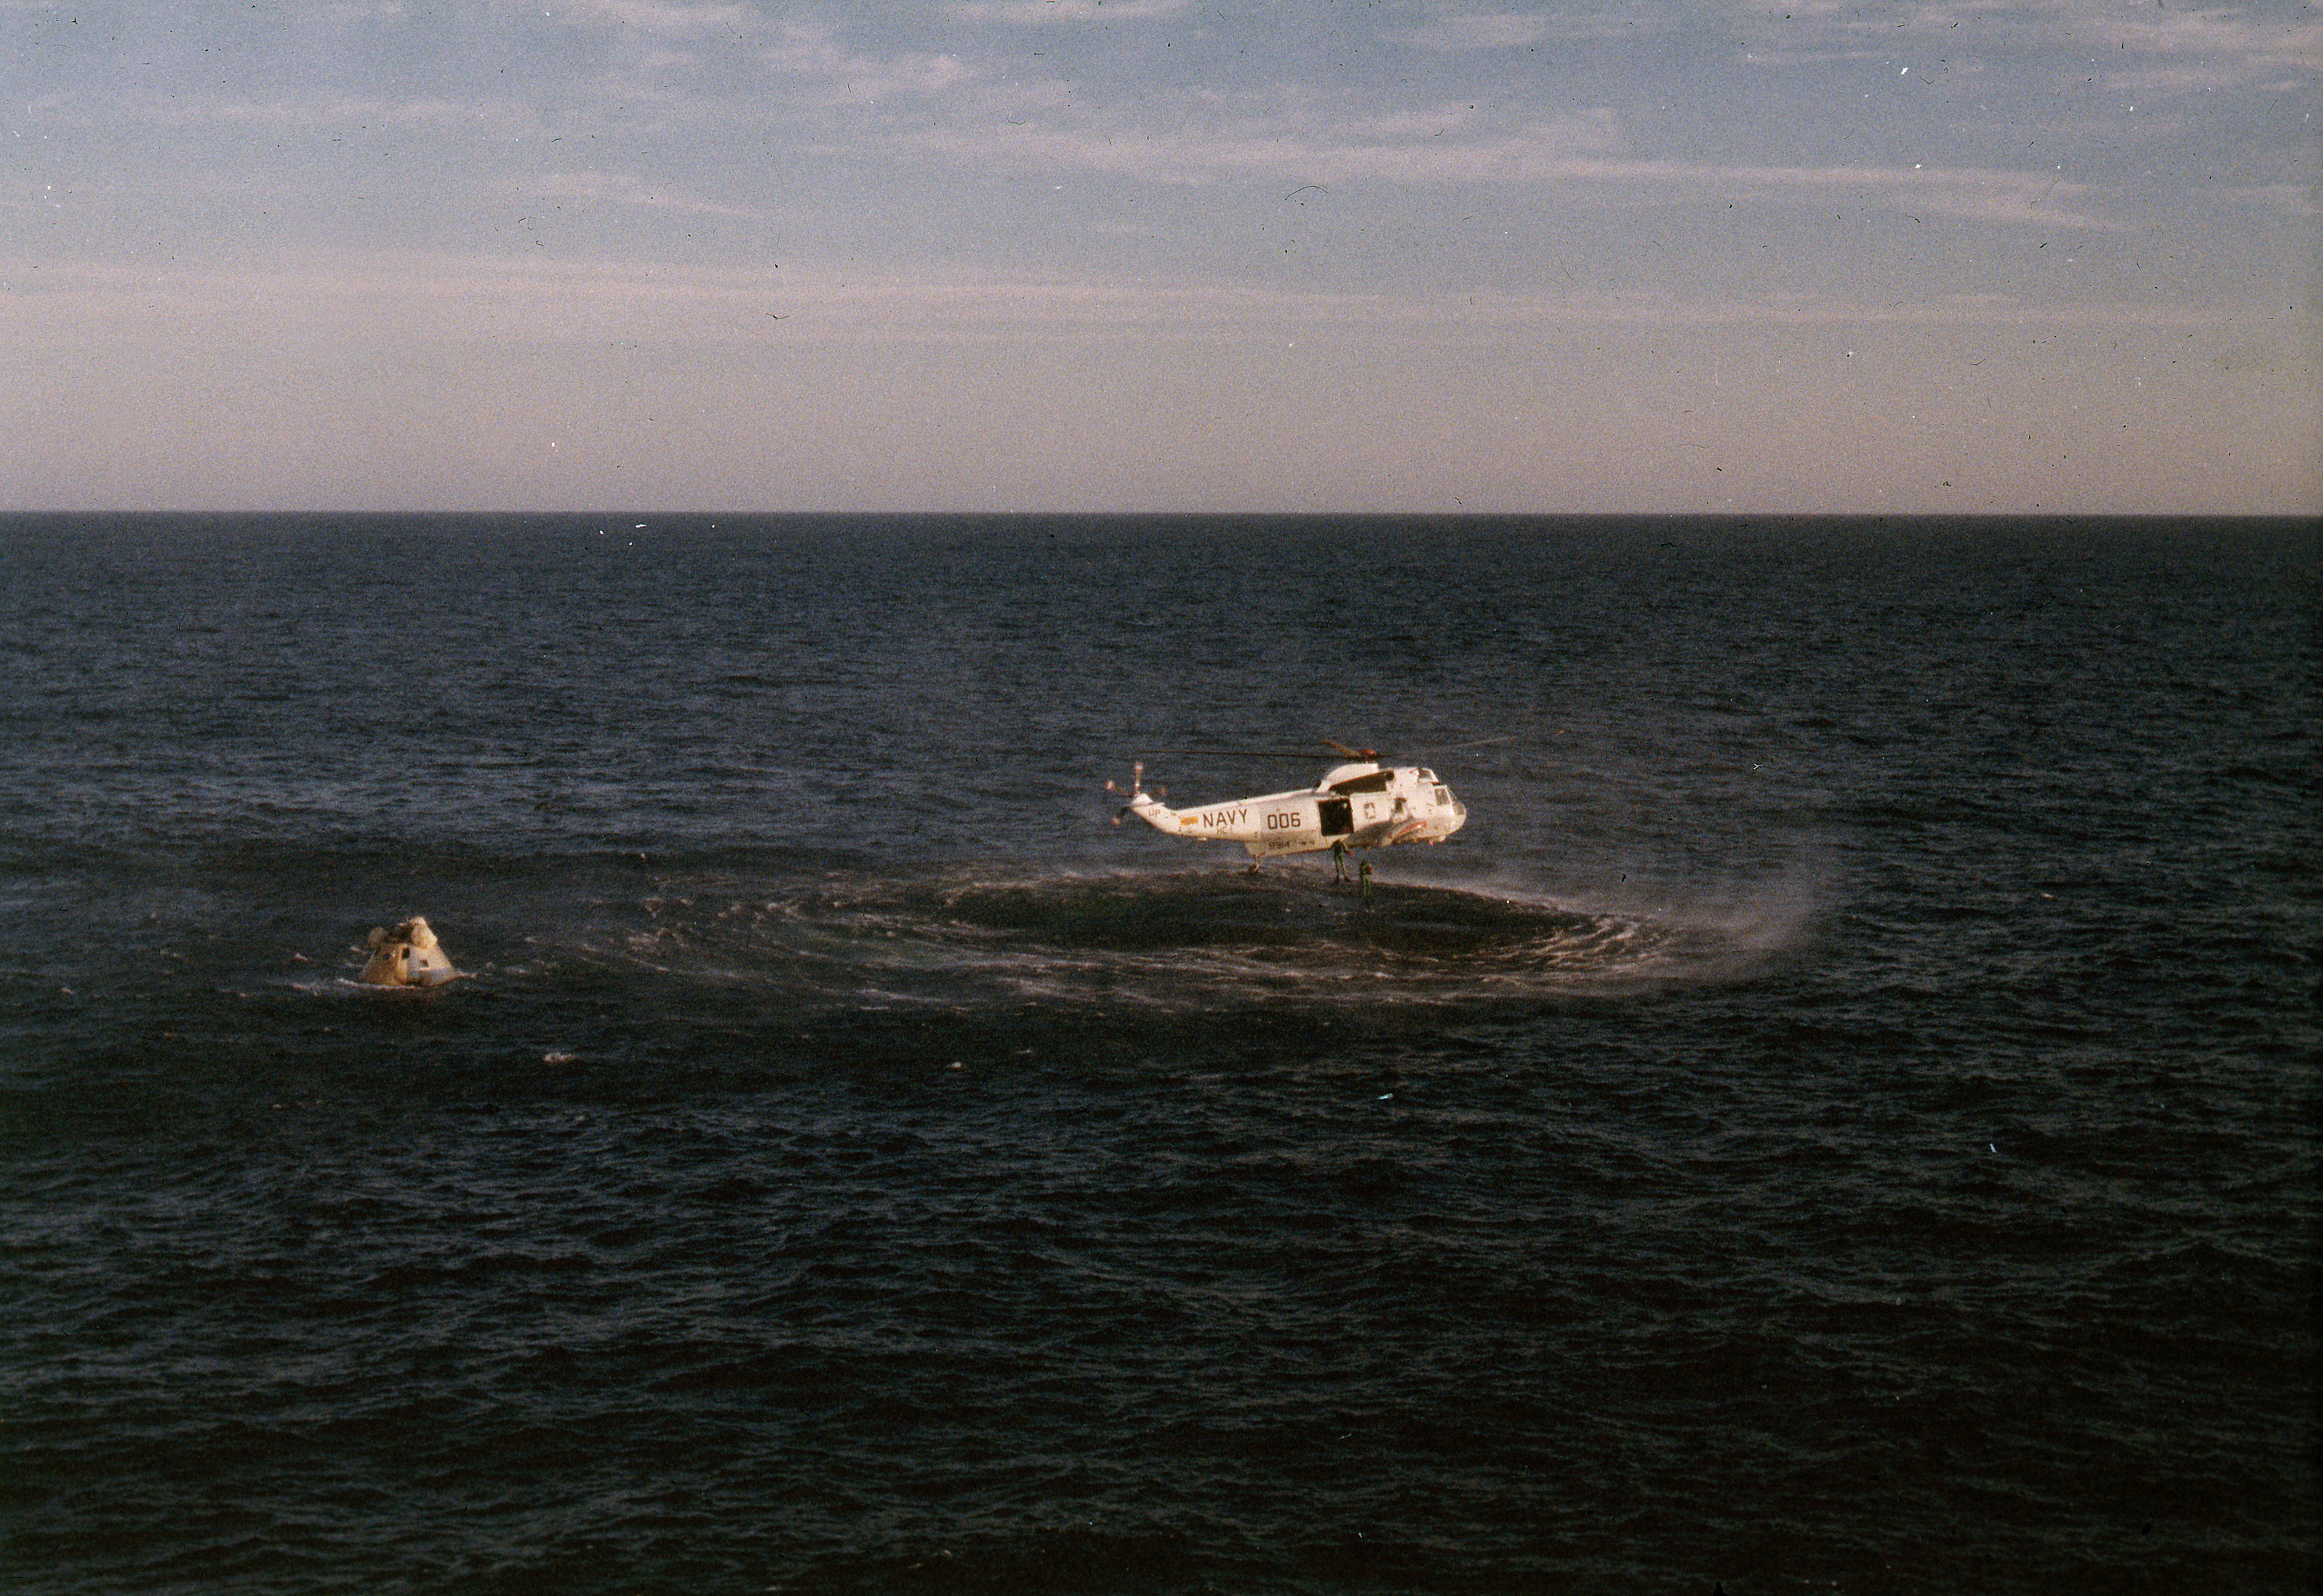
(1339, 816)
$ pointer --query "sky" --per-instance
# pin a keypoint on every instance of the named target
(1992, 256)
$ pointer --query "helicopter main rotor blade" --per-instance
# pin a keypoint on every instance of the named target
(1305, 751)
(1332, 743)
(1239, 753)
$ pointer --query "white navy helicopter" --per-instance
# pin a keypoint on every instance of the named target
(1362, 803)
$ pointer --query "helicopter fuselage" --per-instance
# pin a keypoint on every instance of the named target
(1360, 805)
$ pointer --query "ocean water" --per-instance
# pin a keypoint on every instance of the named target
(1840, 1116)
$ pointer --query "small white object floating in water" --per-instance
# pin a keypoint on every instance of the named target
(408, 955)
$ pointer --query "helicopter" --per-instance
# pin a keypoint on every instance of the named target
(1362, 803)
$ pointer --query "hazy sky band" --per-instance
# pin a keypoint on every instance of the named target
(1060, 254)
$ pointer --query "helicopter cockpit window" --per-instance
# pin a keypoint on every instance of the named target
(1444, 795)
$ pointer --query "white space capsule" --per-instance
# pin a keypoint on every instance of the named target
(408, 955)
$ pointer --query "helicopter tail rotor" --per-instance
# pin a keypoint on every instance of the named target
(1136, 790)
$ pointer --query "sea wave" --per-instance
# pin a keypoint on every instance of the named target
(1164, 941)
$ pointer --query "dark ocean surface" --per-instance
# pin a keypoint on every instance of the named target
(1841, 1117)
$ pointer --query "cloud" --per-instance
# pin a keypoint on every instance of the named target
(1577, 149)
(2234, 46)
(836, 77)
(314, 112)
(621, 188)
(1036, 12)
(1399, 151)
(443, 377)
(321, 111)
(509, 301)
(2290, 199)
(1971, 193)
(664, 16)
(1493, 30)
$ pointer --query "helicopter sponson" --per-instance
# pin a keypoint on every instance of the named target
(409, 955)
(1360, 804)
